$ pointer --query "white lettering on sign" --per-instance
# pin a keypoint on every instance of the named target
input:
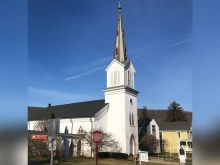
(96, 137)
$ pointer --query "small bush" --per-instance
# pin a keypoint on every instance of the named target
(112, 155)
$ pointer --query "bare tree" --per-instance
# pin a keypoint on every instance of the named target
(107, 139)
(41, 125)
(149, 143)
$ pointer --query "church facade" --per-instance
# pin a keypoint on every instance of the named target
(116, 113)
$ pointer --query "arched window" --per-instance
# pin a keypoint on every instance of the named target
(130, 118)
(66, 130)
(80, 130)
(129, 78)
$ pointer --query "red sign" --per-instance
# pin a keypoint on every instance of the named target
(97, 136)
(39, 137)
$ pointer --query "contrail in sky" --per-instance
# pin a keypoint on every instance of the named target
(83, 74)
(181, 42)
(91, 71)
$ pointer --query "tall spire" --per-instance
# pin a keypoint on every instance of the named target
(120, 52)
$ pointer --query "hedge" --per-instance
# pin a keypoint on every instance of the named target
(115, 155)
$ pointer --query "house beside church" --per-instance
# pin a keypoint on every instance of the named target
(176, 134)
(116, 113)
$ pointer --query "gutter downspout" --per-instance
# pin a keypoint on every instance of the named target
(91, 135)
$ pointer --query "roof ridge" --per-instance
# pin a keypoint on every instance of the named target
(77, 102)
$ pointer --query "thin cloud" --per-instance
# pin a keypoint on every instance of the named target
(87, 66)
(181, 42)
(135, 50)
(173, 45)
(83, 74)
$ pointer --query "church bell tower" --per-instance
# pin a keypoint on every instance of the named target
(121, 94)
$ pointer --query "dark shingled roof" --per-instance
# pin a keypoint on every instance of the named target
(74, 110)
(159, 114)
(174, 126)
(148, 120)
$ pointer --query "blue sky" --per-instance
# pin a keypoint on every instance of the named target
(76, 39)
(69, 39)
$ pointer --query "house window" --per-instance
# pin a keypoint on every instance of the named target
(153, 130)
(190, 144)
(179, 134)
(183, 144)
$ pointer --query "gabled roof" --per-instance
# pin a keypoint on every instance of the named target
(65, 111)
(174, 126)
(148, 120)
(113, 61)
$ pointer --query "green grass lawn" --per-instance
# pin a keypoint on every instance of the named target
(89, 161)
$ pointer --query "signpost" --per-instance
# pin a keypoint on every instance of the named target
(52, 143)
(53, 129)
(143, 156)
(97, 138)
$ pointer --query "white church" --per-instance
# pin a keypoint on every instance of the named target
(116, 113)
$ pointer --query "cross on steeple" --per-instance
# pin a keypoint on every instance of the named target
(120, 52)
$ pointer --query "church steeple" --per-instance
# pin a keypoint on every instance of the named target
(120, 52)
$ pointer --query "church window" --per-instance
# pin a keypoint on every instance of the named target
(115, 77)
(118, 78)
(80, 131)
(131, 101)
(129, 78)
(117, 33)
(111, 78)
(66, 130)
(116, 51)
(125, 79)
(130, 118)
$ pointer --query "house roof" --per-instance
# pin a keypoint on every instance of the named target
(159, 114)
(148, 120)
(174, 126)
(73, 110)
